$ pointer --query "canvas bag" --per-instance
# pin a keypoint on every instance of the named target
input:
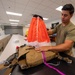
(28, 57)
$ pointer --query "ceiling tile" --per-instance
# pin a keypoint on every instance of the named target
(45, 8)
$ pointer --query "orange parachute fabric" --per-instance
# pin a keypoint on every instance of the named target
(37, 31)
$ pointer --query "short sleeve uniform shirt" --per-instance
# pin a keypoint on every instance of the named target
(64, 33)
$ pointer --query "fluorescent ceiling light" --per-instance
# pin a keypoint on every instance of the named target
(13, 23)
(14, 20)
(12, 13)
(59, 8)
(45, 18)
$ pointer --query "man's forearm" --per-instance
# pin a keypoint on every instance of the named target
(60, 48)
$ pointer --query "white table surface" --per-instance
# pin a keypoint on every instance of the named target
(16, 40)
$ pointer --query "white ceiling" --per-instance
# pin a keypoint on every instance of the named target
(45, 8)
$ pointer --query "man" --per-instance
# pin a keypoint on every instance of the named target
(65, 32)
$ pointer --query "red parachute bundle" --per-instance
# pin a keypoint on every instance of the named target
(37, 34)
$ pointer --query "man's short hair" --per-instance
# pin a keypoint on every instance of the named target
(68, 7)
